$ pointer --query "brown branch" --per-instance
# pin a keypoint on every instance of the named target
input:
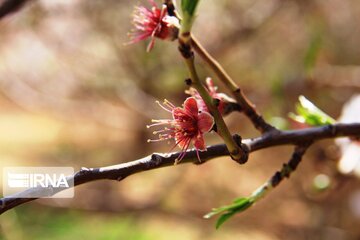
(290, 166)
(284, 172)
(298, 137)
(170, 7)
(10, 6)
(154, 161)
(242, 204)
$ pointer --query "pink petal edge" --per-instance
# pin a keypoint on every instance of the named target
(199, 143)
(190, 105)
(205, 122)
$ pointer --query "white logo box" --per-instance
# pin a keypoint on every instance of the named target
(38, 182)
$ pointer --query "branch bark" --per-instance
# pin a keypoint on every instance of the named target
(157, 160)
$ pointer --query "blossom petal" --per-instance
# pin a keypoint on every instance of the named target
(199, 142)
(178, 113)
(171, 21)
(149, 22)
(182, 141)
(211, 87)
(205, 122)
(190, 106)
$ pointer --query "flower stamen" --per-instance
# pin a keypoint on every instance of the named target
(153, 23)
(188, 125)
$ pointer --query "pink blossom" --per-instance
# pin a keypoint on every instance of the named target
(187, 125)
(212, 90)
(153, 23)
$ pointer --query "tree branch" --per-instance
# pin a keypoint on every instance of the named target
(241, 204)
(284, 172)
(156, 160)
(235, 150)
(246, 105)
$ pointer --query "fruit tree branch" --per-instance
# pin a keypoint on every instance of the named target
(156, 160)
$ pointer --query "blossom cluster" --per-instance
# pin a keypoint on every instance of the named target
(190, 122)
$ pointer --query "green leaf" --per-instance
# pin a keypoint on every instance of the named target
(308, 113)
(236, 203)
(189, 6)
(214, 212)
(241, 200)
(243, 205)
(223, 218)
(228, 211)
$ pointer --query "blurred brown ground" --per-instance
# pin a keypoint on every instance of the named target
(72, 94)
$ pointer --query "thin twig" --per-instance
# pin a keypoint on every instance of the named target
(170, 7)
(246, 105)
(154, 161)
(187, 53)
(285, 171)
(241, 204)
(235, 151)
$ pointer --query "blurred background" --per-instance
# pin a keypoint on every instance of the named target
(72, 94)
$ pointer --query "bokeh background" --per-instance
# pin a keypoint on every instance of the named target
(72, 94)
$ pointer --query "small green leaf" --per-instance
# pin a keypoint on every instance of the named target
(189, 6)
(241, 200)
(308, 113)
(228, 211)
(214, 212)
(243, 205)
(223, 218)
(236, 203)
